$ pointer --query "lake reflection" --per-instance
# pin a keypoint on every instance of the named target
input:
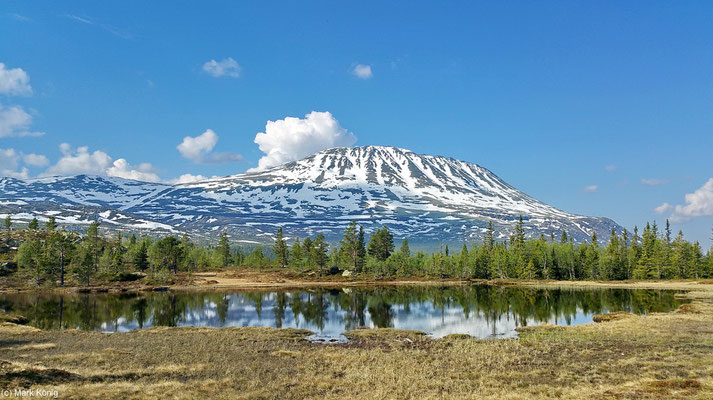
(481, 311)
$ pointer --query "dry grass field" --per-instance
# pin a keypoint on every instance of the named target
(659, 356)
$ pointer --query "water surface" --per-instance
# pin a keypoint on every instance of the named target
(480, 311)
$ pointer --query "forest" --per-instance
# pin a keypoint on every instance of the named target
(52, 256)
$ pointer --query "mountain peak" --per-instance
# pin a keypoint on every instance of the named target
(429, 199)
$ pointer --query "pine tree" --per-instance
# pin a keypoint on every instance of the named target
(28, 257)
(280, 249)
(94, 245)
(33, 225)
(381, 244)
(8, 223)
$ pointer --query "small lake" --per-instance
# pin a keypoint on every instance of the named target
(481, 311)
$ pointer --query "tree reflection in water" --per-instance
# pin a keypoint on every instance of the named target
(333, 309)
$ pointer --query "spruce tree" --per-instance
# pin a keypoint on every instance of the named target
(51, 225)
(296, 258)
(463, 261)
(405, 250)
(361, 250)
(223, 250)
(319, 252)
(141, 258)
(349, 246)
(94, 245)
(489, 240)
(307, 247)
(33, 225)
(280, 249)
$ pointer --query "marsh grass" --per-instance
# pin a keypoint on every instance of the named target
(660, 356)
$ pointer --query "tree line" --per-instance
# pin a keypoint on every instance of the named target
(650, 255)
(49, 255)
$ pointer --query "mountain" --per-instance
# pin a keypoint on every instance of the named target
(429, 199)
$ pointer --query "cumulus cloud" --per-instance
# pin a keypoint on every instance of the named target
(698, 204)
(610, 168)
(225, 67)
(143, 172)
(663, 208)
(654, 182)
(292, 138)
(14, 121)
(82, 161)
(187, 178)
(9, 162)
(14, 81)
(362, 71)
(35, 160)
(199, 149)
(591, 188)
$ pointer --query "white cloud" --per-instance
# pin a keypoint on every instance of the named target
(591, 188)
(698, 204)
(35, 160)
(81, 161)
(654, 182)
(610, 168)
(224, 67)
(187, 178)
(122, 169)
(199, 149)
(14, 121)
(9, 161)
(362, 71)
(292, 138)
(663, 208)
(14, 81)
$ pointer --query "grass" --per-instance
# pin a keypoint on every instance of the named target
(660, 356)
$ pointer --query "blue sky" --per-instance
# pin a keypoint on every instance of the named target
(600, 108)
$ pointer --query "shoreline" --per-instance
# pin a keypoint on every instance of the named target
(247, 279)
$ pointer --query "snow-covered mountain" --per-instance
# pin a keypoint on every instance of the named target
(429, 199)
